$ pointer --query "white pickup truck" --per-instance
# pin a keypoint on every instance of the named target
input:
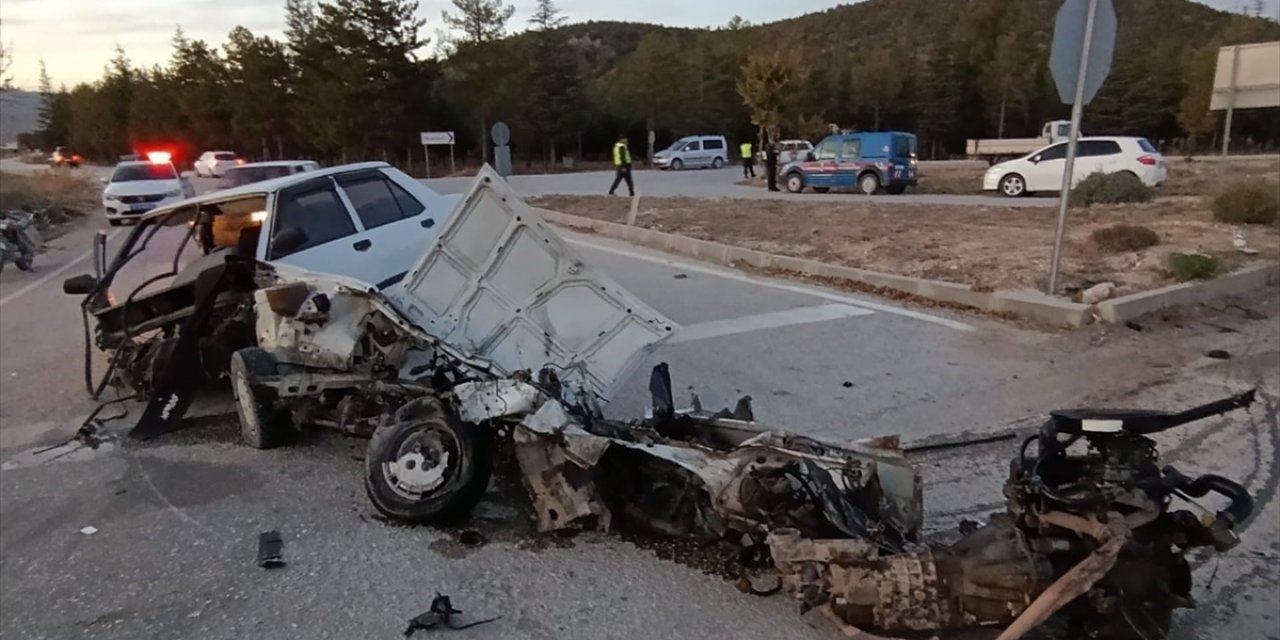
(995, 150)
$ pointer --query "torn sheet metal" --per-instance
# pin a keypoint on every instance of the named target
(501, 285)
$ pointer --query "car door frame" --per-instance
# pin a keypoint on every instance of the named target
(822, 173)
(339, 251)
(1041, 176)
(401, 242)
(847, 169)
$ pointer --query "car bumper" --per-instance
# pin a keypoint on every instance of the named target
(662, 163)
(116, 210)
(991, 181)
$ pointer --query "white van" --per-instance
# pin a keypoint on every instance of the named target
(693, 152)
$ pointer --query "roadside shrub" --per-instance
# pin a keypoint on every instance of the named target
(1110, 188)
(1125, 237)
(1193, 266)
(1247, 202)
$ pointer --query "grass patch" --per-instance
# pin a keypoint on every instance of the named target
(1248, 202)
(1185, 267)
(1110, 188)
(56, 197)
(1125, 237)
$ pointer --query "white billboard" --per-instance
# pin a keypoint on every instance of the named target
(1248, 77)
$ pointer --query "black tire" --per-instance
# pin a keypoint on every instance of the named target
(1013, 186)
(896, 189)
(869, 183)
(717, 163)
(794, 182)
(23, 261)
(677, 164)
(263, 425)
(821, 189)
(461, 455)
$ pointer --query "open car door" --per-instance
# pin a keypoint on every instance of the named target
(500, 284)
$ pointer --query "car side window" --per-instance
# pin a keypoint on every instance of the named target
(316, 209)
(373, 198)
(693, 146)
(714, 144)
(1099, 148)
(1056, 152)
(826, 151)
(851, 149)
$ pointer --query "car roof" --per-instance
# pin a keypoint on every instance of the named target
(262, 188)
(219, 151)
(271, 163)
(134, 163)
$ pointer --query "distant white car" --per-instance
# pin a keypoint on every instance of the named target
(138, 186)
(213, 164)
(790, 151)
(258, 171)
(1042, 170)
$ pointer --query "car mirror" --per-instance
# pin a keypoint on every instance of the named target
(79, 285)
(1034, 159)
(809, 157)
(288, 240)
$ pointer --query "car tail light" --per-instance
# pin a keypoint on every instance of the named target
(1150, 161)
(76, 157)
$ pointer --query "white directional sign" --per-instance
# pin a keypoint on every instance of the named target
(436, 137)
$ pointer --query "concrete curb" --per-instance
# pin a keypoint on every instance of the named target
(1026, 304)
(1132, 306)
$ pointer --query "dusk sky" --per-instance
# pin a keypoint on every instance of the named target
(76, 37)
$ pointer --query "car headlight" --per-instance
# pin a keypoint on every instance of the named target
(173, 194)
(110, 196)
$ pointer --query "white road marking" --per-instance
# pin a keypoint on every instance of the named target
(760, 282)
(762, 321)
(52, 274)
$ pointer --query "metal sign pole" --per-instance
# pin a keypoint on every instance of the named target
(426, 158)
(452, 169)
(1077, 114)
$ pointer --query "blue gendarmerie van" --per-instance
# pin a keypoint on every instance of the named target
(868, 161)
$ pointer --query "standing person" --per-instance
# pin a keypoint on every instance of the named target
(771, 164)
(748, 161)
(622, 165)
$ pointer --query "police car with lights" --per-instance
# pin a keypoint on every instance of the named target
(137, 186)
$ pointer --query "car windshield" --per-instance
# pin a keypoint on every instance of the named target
(224, 156)
(136, 172)
(679, 144)
(247, 175)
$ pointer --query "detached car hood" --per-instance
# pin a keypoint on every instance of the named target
(501, 285)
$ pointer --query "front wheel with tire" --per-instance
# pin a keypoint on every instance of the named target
(1013, 186)
(869, 183)
(677, 164)
(717, 163)
(425, 466)
(24, 260)
(794, 182)
(263, 425)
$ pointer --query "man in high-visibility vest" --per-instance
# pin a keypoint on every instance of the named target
(622, 165)
(748, 161)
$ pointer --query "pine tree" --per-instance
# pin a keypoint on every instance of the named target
(555, 102)
(474, 66)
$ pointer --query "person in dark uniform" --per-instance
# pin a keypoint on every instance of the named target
(622, 165)
(771, 164)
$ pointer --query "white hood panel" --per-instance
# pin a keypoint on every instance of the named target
(500, 284)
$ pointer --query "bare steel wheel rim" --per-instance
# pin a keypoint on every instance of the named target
(425, 461)
(793, 182)
(870, 184)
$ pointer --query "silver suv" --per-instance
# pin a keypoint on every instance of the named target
(693, 152)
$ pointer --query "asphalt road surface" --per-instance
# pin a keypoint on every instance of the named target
(717, 183)
(177, 518)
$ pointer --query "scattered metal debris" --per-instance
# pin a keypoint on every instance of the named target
(440, 615)
(847, 384)
(270, 550)
(680, 276)
(89, 530)
(1218, 354)
(1133, 325)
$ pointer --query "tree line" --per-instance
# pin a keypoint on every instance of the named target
(358, 79)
